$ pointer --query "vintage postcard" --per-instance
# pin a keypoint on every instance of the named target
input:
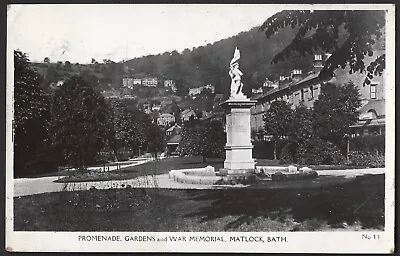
(200, 128)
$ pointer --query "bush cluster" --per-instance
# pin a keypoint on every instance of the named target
(316, 151)
(287, 154)
(265, 149)
(368, 143)
(372, 160)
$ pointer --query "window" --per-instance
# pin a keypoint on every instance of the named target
(302, 95)
(311, 92)
(373, 91)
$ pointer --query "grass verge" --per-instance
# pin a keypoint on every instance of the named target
(354, 205)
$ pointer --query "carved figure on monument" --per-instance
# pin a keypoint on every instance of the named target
(236, 74)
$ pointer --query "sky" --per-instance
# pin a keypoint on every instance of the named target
(78, 33)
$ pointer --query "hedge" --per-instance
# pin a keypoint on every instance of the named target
(265, 149)
(368, 143)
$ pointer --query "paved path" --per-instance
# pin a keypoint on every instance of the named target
(32, 186)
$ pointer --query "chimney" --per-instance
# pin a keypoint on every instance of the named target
(283, 80)
(296, 74)
(318, 63)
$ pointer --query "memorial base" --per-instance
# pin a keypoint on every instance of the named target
(238, 148)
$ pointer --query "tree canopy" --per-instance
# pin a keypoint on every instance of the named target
(79, 122)
(277, 120)
(31, 114)
(335, 110)
(349, 35)
(204, 138)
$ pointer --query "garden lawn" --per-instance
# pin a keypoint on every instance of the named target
(354, 205)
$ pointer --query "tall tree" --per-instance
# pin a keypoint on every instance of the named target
(129, 127)
(155, 139)
(204, 138)
(301, 125)
(31, 114)
(323, 29)
(335, 110)
(300, 128)
(277, 121)
(79, 122)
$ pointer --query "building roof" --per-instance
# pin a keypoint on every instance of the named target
(290, 84)
(369, 123)
(377, 105)
(187, 112)
(166, 115)
(172, 128)
(174, 139)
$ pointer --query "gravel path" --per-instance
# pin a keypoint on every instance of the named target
(30, 186)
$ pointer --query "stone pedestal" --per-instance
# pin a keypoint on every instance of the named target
(238, 148)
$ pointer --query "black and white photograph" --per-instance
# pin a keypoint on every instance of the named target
(200, 127)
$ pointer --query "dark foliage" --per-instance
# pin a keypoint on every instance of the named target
(362, 158)
(31, 117)
(265, 149)
(348, 34)
(335, 110)
(79, 124)
(368, 143)
(315, 151)
(204, 138)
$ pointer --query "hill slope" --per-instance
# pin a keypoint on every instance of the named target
(192, 68)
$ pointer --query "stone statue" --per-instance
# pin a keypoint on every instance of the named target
(235, 74)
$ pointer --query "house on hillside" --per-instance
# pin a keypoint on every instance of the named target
(150, 81)
(128, 82)
(172, 144)
(165, 119)
(156, 107)
(173, 139)
(196, 91)
(187, 114)
(169, 83)
(175, 129)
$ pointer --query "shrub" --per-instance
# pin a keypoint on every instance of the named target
(316, 151)
(367, 159)
(265, 149)
(286, 155)
(368, 143)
